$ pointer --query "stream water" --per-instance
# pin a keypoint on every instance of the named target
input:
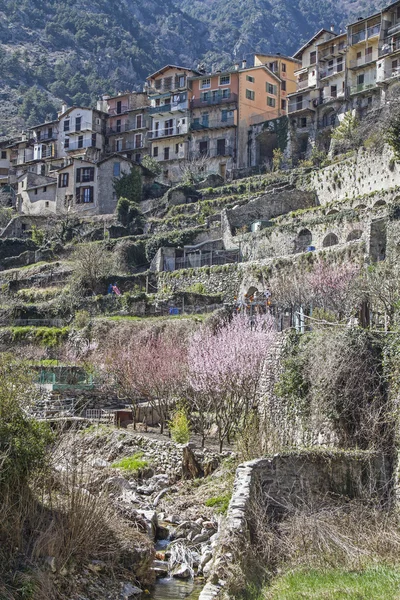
(174, 589)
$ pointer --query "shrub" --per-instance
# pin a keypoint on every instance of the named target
(179, 427)
(221, 503)
(131, 464)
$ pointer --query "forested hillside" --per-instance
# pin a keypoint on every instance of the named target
(73, 50)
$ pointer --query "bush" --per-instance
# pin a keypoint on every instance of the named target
(131, 464)
(179, 427)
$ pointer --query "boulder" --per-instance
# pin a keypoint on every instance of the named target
(181, 572)
(130, 591)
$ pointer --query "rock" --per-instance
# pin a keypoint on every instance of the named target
(99, 463)
(130, 591)
(181, 572)
(160, 568)
(205, 558)
(96, 566)
(173, 519)
(50, 561)
(118, 483)
(150, 517)
(159, 496)
(200, 537)
(209, 525)
(162, 532)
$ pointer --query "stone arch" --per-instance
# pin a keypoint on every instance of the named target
(304, 239)
(330, 240)
(360, 207)
(356, 234)
(333, 211)
(379, 203)
(251, 291)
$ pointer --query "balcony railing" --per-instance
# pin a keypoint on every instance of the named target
(364, 60)
(116, 111)
(45, 137)
(374, 30)
(332, 97)
(302, 85)
(389, 47)
(214, 99)
(80, 145)
(394, 29)
(167, 132)
(214, 152)
(305, 104)
(332, 51)
(218, 123)
(48, 153)
(392, 73)
(118, 129)
(84, 126)
(27, 156)
(332, 71)
(202, 259)
(129, 145)
(356, 38)
(362, 87)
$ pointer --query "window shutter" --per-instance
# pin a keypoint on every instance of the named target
(66, 180)
(59, 180)
(91, 195)
(78, 195)
(91, 173)
(78, 175)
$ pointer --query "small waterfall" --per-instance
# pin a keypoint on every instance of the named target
(181, 561)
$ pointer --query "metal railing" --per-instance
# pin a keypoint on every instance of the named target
(332, 71)
(218, 98)
(364, 60)
(194, 126)
(43, 137)
(167, 132)
(389, 47)
(356, 38)
(361, 87)
(80, 145)
(115, 111)
(374, 30)
(302, 85)
(213, 152)
(394, 29)
(100, 415)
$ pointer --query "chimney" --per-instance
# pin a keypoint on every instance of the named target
(244, 63)
(237, 66)
(332, 29)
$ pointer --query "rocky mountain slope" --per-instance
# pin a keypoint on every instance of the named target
(52, 50)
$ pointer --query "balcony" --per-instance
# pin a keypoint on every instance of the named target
(118, 129)
(214, 152)
(167, 132)
(356, 38)
(47, 153)
(305, 104)
(129, 145)
(45, 137)
(217, 124)
(26, 156)
(374, 30)
(331, 72)
(79, 145)
(214, 100)
(84, 126)
(362, 87)
(392, 73)
(332, 98)
(389, 47)
(302, 85)
(116, 111)
(332, 51)
(393, 29)
(364, 60)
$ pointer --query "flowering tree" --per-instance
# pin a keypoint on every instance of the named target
(224, 370)
(151, 366)
(332, 287)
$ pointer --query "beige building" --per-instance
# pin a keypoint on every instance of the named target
(36, 194)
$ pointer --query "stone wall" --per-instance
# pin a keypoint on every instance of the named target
(289, 480)
(363, 173)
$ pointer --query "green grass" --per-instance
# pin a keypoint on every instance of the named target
(131, 464)
(220, 503)
(373, 583)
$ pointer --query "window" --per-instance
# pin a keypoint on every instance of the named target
(45, 189)
(94, 140)
(368, 53)
(271, 89)
(118, 145)
(303, 122)
(271, 102)
(226, 93)
(283, 104)
(157, 84)
(224, 79)
(221, 147)
(205, 96)
(283, 67)
(38, 135)
(138, 140)
(66, 125)
(50, 132)
(80, 141)
(203, 148)
(117, 169)
(138, 157)
(66, 143)
(119, 107)
(155, 151)
(176, 148)
(78, 123)
(283, 86)
(181, 81)
(250, 95)
(167, 83)
(84, 195)
(85, 174)
(4, 154)
(250, 78)
(334, 91)
(204, 119)
(360, 79)
(119, 126)
(166, 153)
(63, 179)
(359, 55)
(224, 115)
(139, 121)
(47, 204)
(313, 57)
(205, 83)
(169, 127)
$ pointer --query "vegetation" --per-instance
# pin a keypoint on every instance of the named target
(131, 464)
(179, 426)
(221, 503)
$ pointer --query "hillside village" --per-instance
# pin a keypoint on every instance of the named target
(199, 344)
